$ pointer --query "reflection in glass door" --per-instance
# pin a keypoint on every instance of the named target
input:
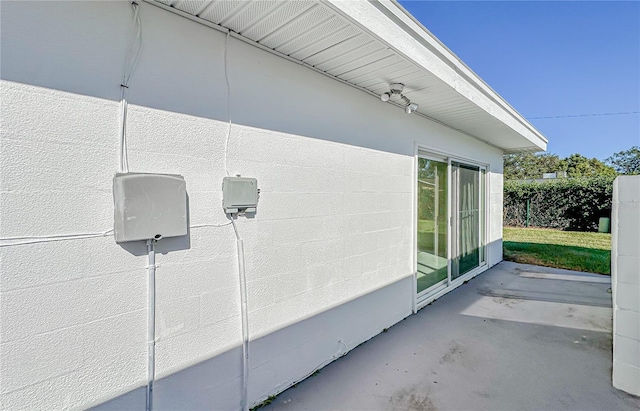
(468, 218)
(432, 223)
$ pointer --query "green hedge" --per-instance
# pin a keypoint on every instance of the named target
(568, 203)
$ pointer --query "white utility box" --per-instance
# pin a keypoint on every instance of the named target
(239, 195)
(149, 206)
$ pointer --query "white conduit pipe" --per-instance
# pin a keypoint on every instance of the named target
(124, 161)
(245, 318)
(151, 322)
(240, 250)
(226, 79)
(131, 62)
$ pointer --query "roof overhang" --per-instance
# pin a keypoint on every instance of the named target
(369, 45)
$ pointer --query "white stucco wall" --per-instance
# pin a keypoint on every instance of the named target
(334, 223)
(625, 273)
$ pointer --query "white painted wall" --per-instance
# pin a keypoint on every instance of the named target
(333, 229)
(625, 273)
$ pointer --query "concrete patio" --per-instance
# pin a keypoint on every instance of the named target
(518, 337)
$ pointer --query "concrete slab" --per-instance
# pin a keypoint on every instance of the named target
(518, 337)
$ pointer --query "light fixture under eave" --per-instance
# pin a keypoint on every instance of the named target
(395, 89)
(410, 108)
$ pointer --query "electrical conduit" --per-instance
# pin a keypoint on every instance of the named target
(151, 321)
(244, 311)
(131, 62)
(245, 317)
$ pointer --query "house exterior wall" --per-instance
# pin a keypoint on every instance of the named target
(329, 255)
(625, 260)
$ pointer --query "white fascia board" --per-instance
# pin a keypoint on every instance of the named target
(390, 23)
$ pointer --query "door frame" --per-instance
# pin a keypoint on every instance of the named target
(444, 283)
(437, 290)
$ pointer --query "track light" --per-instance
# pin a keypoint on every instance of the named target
(410, 108)
(395, 89)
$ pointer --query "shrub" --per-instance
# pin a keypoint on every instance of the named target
(569, 203)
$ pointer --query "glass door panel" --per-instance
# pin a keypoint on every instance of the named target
(469, 250)
(432, 223)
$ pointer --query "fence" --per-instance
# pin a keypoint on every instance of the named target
(568, 203)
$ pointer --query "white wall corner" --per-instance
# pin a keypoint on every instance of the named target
(625, 259)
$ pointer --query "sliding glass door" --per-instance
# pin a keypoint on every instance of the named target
(450, 214)
(468, 218)
(432, 223)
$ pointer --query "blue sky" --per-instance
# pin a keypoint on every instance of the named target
(552, 59)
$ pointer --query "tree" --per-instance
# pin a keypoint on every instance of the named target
(581, 166)
(550, 163)
(518, 166)
(531, 166)
(527, 165)
(626, 162)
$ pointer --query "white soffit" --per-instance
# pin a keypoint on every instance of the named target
(370, 44)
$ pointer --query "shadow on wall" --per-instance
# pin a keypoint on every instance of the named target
(189, 77)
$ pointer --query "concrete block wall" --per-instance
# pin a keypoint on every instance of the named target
(334, 227)
(625, 262)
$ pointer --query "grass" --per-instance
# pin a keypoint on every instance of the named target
(580, 251)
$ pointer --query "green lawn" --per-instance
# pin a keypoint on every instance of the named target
(589, 252)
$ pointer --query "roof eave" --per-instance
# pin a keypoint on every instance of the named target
(414, 42)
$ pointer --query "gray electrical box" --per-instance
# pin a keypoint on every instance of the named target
(149, 206)
(239, 195)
